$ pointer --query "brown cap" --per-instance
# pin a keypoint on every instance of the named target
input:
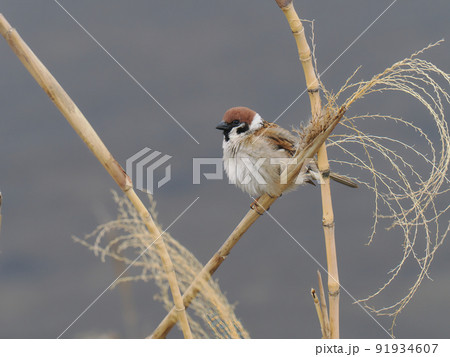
(243, 114)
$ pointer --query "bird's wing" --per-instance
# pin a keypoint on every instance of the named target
(278, 138)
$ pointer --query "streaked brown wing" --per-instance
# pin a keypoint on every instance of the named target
(278, 137)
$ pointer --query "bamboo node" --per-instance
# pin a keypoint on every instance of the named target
(285, 5)
(128, 183)
(326, 173)
(304, 59)
(180, 310)
(335, 293)
(328, 225)
(313, 90)
(254, 208)
(297, 23)
(145, 216)
(127, 188)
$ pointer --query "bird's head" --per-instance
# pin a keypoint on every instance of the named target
(239, 120)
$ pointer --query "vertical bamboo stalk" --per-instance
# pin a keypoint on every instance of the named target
(330, 243)
(82, 127)
(312, 84)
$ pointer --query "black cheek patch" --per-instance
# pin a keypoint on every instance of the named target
(243, 129)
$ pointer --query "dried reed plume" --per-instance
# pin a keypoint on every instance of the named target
(402, 196)
(314, 135)
(122, 239)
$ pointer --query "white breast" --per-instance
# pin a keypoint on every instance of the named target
(249, 167)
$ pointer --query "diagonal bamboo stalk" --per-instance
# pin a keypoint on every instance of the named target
(265, 202)
(312, 84)
(319, 312)
(82, 127)
(323, 305)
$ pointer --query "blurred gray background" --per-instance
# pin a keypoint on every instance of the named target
(198, 58)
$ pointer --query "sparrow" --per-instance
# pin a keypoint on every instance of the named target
(256, 154)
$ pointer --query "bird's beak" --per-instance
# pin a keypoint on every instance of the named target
(223, 126)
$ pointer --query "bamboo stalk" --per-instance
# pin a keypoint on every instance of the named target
(319, 312)
(82, 127)
(330, 244)
(312, 84)
(323, 305)
(265, 201)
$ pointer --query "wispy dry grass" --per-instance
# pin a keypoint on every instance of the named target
(122, 239)
(408, 176)
(411, 76)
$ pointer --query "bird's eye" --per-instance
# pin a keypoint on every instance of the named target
(236, 122)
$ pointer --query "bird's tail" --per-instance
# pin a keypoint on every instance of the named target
(343, 180)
